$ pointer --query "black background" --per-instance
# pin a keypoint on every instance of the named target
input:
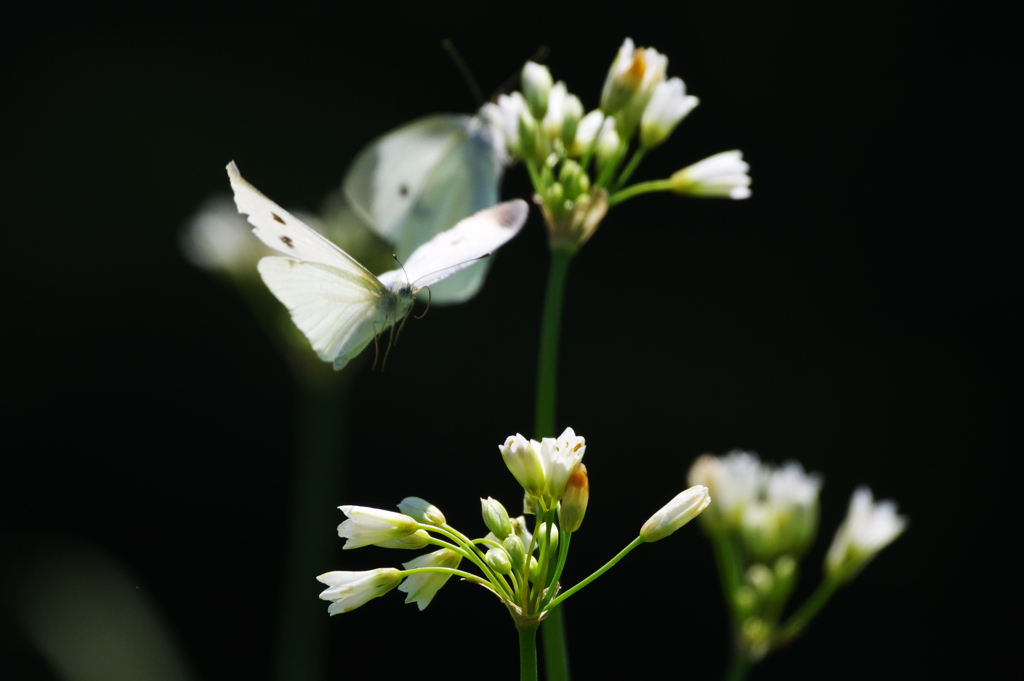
(855, 315)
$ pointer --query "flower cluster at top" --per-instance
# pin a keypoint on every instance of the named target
(764, 519)
(544, 125)
(521, 567)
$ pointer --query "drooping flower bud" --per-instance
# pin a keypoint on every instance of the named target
(676, 513)
(421, 587)
(574, 501)
(349, 590)
(423, 511)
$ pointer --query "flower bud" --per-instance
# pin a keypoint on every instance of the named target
(760, 577)
(682, 509)
(547, 537)
(624, 78)
(416, 540)
(515, 550)
(534, 570)
(498, 560)
(537, 81)
(668, 105)
(423, 511)
(528, 146)
(586, 131)
(571, 119)
(495, 518)
(574, 501)
(608, 143)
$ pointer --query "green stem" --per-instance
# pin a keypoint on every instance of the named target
(638, 156)
(799, 619)
(603, 569)
(317, 490)
(527, 653)
(638, 189)
(547, 360)
(563, 551)
(729, 570)
(739, 667)
(556, 651)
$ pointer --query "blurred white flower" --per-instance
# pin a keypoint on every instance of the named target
(724, 174)
(349, 590)
(868, 528)
(366, 526)
(586, 131)
(631, 78)
(668, 105)
(504, 116)
(421, 587)
(220, 240)
(686, 506)
(536, 80)
(734, 480)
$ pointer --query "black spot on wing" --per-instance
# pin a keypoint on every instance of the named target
(279, 219)
(287, 240)
(509, 214)
(403, 189)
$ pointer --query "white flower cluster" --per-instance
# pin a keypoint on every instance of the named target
(544, 125)
(774, 509)
(543, 468)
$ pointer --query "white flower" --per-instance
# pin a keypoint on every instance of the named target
(218, 239)
(349, 590)
(676, 513)
(505, 117)
(523, 459)
(792, 496)
(536, 80)
(555, 116)
(560, 455)
(734, 480)
(586, 131)
(367, 526)
(668, 105)
(422, 586)
(608, 143)
(632, 77)
(868, 528)
(724, 174)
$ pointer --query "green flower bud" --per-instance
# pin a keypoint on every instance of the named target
(498, 560)
(515, 550)
(422, 511)
(547, 537)
(495, 518)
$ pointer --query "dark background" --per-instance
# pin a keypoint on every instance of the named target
(855, 315)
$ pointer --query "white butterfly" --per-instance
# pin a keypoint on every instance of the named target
(417, 180)
(337, 302)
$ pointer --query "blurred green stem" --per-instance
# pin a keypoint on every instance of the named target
(739, 668)
(730, 570)
(556, 654)
(323, 431)
(799, 619)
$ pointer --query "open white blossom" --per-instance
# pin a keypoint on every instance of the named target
(366, 526)
(724, 174)
(669, 104)
(421, 587)
(349, 590)
(686, 506)
(869, 527)
(735, 481)
(505, 117)
(543, 468)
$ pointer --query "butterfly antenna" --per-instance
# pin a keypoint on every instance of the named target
(539, 55)
(467, 75)
(429, 298)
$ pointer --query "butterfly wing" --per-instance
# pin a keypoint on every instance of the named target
(461, 246)
(284, 232)
(336, 302)
(424, 177)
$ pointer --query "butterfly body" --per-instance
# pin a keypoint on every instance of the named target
(337, 303)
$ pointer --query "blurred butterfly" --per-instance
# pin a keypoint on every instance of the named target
(336, 302)
(412, 182)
